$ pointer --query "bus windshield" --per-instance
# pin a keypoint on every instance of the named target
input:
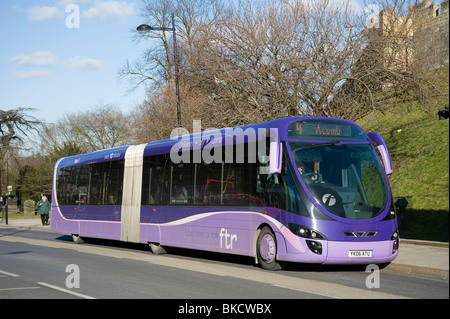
(345, 179)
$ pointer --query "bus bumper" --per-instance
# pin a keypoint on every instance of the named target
(340, 252)
(374, 252)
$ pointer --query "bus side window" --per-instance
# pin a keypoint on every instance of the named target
(182, 184)
(156, 180)
(208, 183)
(81, 180)
(280, 191)
(271, 189)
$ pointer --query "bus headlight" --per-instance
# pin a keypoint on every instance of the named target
(395, 237)
(305, 232)
(314, 246)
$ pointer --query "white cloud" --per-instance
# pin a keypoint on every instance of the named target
(48, 59)
(34, 74)
(352, 5)
(104, 9)
(97, 10)
(44, 13)
(40, 58)
(65, 3)
(79, 63)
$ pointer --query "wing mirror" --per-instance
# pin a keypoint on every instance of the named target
(384, 152)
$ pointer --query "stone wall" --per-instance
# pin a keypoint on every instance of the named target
(432, 35)
(422, 36)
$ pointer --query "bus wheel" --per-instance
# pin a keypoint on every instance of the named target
(77, 239)
(266, 250)
(157, 249)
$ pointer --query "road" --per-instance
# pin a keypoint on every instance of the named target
(36, 264)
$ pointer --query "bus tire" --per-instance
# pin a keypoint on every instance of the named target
(266, 250)
(77, 239)
(157, 249)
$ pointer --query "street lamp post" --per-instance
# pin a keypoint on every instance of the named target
(146, 27)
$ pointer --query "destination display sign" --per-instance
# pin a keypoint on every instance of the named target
(324, 130)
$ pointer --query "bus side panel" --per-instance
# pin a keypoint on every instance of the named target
(62, 225)
(150, 233)
(220, 231)
(151, 218)
(100, 229)
(86, 228)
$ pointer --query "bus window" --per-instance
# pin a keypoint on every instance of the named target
(182, 184)
(271, 189)
(113, 180)
(80, 180)
(208, 184)
(155, 180)
(96, 184)
(348, 180)
(91, 184)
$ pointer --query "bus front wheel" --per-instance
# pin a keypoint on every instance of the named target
(266, 250)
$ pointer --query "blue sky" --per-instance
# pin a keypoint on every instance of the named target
(49, 64)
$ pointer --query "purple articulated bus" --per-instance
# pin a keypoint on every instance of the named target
(300, 189)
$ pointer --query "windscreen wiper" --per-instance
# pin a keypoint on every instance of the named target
(317, 144)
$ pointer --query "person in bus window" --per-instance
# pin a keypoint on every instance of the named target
(309, 177)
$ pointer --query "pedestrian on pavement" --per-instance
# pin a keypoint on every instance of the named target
(43, 207)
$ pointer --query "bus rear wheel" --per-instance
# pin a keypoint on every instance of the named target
(266, 250)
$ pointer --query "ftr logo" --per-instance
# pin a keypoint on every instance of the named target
(227, 239)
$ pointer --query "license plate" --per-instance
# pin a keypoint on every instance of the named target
(360, 253)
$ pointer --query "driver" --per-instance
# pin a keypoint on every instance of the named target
(310, 177)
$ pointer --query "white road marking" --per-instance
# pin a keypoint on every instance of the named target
(19, 288)
(67, 291)
(320, 288)
(9, 273)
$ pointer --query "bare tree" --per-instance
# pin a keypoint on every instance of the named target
(103, 127)
(156, 68)
(247, 61)
(272, 59)
(15, 125)
(156, 64)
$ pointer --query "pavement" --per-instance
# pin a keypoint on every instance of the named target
(417, 257)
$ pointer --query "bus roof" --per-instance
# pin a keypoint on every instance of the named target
(197, 140)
